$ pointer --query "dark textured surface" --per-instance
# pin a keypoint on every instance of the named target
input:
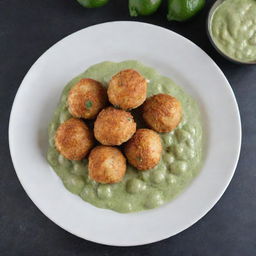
(27, 29)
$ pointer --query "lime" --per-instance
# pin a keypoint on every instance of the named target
(92, 3)
(143, 7)
(182, 10)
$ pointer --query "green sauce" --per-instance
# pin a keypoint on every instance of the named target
(233, 29)
(181, 159)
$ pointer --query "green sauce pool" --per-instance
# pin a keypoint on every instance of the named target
(139, 190)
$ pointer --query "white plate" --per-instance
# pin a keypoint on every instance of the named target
(172, 55)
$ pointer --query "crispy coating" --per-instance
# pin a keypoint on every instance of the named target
(73, 139)
(162, 112)
(114, 126)
(144, 149)
(127, 89)
(106, 164)
(87, 98)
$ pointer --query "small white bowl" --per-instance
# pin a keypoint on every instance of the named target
(209, 19)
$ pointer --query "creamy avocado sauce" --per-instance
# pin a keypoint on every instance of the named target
(139, 190)
(233, 29)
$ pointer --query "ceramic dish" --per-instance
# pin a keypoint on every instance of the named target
(171, 55)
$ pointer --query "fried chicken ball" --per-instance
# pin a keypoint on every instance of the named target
(73, 139)
(162, 112)
(87, 98)
(106, 164)
(144, 149)
(127, 89)
(114, 126)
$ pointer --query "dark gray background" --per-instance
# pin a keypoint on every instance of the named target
(27, 29)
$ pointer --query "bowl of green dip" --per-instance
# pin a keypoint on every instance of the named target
(231, 28)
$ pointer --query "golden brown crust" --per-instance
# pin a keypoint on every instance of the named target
(114, 126)
(87, 98)
(144, 149)
(106, 164)
(73, 139)
(127, 89)
(162, 112)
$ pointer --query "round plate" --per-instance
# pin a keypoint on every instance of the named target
(172, 55)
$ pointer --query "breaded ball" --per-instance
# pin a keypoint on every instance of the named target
(114, 126)
(162, 112)
(106, 164)
(73, 139)
(144, 149)
(127, 89)
(87, 98)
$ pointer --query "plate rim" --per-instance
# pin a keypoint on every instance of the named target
(237, 112)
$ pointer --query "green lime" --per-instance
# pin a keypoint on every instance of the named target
(182, 10)
(92, 3)
(143, 7)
